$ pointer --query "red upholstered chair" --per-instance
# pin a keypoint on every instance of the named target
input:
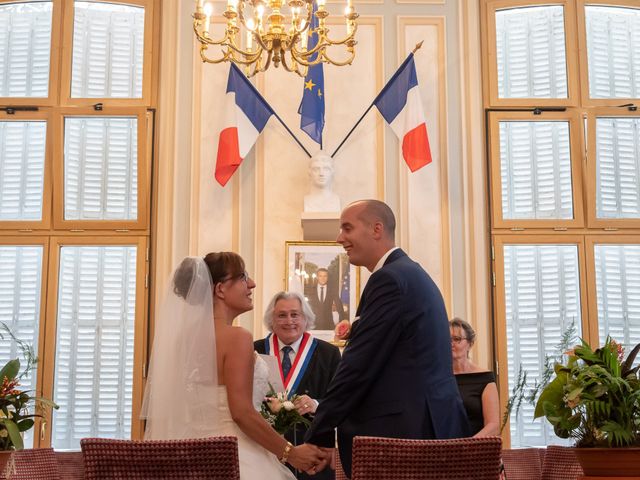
(213, 458)
(32, 464)
(376, 458)
(560, 463)
(71, 465)
(523, 463)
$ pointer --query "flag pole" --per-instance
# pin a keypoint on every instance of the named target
(291, 133)
(415, 49)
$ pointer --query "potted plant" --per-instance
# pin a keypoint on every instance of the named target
(595, 399)
(18, 407)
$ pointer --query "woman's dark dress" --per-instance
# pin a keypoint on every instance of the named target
(471, 386)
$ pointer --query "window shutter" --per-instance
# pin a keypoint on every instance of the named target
(25, 46)
(94, 344)
(101, 168)
(20, 290)
(618, 292)
(535, 164)
(618, 167)
(108, 41)
(542, 300)
(530, 46)
(22, 169)
(613, 51)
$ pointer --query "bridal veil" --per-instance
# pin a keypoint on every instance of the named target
(181, 397)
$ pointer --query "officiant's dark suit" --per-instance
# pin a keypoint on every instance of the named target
(322, 299)
(315, 380)
(395, 378)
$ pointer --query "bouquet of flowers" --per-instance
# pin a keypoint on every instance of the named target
(280, 411)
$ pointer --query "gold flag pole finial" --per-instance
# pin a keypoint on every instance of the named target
(417, 47)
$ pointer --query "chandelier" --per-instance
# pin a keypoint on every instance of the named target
(298, 40)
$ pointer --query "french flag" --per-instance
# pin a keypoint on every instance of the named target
(246, 113)
(400, 105)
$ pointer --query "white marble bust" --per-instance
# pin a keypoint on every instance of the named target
(321, 198)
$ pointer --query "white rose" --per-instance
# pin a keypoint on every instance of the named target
(288, 405)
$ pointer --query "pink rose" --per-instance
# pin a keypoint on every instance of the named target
(343, 329)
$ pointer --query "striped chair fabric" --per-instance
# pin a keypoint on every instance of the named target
(376, 458)
(32, 464)
(213, 458)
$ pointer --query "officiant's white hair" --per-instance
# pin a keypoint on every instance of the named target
(308, 314)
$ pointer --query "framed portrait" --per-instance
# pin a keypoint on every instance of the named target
(322, 273)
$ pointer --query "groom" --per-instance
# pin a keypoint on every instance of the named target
(395, 378)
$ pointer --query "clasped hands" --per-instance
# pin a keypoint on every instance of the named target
(311, 458)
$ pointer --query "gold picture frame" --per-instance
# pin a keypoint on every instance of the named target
(304, 262)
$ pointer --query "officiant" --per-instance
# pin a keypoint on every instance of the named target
(307, 363)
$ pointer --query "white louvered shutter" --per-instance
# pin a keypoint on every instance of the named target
(531, 53)
(618, 167)
(535, 170)
(20, 290)
(542, 299)
(94, 344)
(101, 168)
(22, 153)
(618, 292)
(25, 46)
(108, 42)
(613, 51)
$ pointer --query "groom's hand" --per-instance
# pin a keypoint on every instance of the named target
(324, 458)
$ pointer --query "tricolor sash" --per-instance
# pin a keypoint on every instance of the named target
(300, 363)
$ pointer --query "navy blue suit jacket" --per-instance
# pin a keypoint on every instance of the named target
(396, 377)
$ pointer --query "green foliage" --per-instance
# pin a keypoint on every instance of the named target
(595, 397)
(279, 412)
(18, 408)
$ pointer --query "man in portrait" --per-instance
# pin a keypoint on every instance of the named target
(325, 301)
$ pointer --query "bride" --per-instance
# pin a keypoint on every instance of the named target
(205, 379)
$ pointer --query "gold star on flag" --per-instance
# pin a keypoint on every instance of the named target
(319, 93)
(309, 85)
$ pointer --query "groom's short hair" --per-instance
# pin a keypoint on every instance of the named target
(377, 211)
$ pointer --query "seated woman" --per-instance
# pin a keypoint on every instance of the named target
(205, 379)
(477, 386)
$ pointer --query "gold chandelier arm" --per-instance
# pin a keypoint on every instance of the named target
(291, 69)
(226, 55)
(206, 40)
(257, 68)
(325, 40)
(340, 64)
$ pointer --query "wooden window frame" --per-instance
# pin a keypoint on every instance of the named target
(591, 170)
(575, 136)
(140, 324)
(144, 164)
(147, 59)
(587, 101)
(42, 241)
(45, 222)
(499, 241)
(571, 51)
(54, 62)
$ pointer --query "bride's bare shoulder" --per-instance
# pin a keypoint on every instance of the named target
(236, 336)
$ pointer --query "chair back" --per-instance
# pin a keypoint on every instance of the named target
(32, 464)
(214, 458)
(523, 463)
(560, 463)
(376, 458)
(71, 465)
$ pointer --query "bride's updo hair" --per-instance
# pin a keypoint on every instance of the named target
(224, 265)
(221, 265)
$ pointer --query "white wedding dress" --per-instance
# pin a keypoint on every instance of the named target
(255, 462)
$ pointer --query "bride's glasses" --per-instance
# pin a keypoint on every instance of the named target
(244, 276)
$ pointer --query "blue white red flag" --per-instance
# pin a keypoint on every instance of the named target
(246, 114)
(400, 105)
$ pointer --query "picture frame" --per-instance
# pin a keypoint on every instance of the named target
(322, 273)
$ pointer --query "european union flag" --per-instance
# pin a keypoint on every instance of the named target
(311, 108)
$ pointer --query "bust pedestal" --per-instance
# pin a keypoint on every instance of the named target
(320, 226)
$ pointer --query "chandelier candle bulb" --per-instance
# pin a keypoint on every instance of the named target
(208, 11)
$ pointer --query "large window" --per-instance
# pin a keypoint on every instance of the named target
(564, 168)
(76, 87)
